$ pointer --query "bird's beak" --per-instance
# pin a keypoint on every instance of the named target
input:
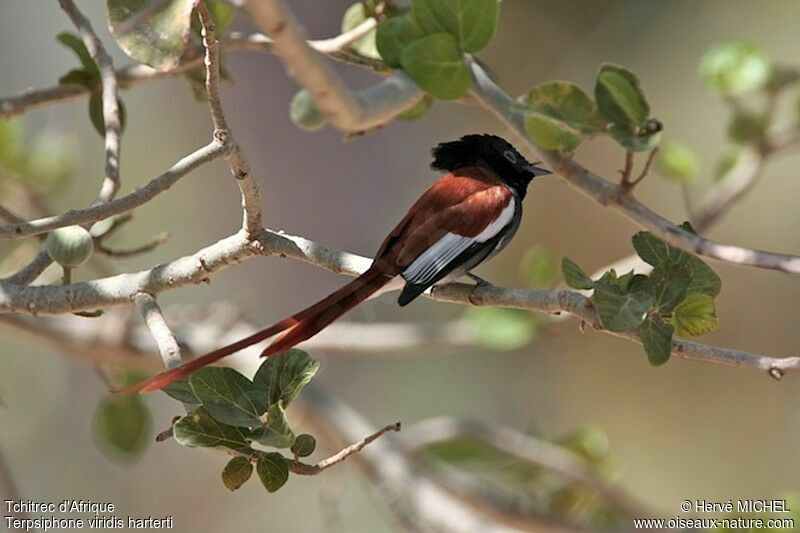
(538, 171)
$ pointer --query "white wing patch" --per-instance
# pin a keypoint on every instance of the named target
(433, 260)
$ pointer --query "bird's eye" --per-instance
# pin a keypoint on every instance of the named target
(511, 156)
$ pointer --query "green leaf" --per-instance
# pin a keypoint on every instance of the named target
(236, 473)
(417, 110)
(199, 429)
(668, 284)
(539, 266)
(12, 142)
(229, 397)
(394, 35)
(222, 13)
(620, 311)
(567, 103)
(695, 315)
(735, 68)
(181, 391)
(304, 445)
(273, 471)
(284, 375)
(471, 22)
(436, 65)
(655, 251)
(678, 162)
(550, 134)
(80, 77)
(96, 113)
(647, 138)
(620, 98)
(75, 43)
(122, 425)
(276, 432)
(498, 328)
(574, 276)
(304, 112)
(158, 41)
(365, 46)
(656, 336)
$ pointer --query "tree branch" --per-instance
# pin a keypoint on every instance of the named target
(608, 194)
(240, 169)
(344, 109)
(102, 211)
(154, 319)
(111, 113)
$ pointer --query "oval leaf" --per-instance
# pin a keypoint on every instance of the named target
(695, 315)
(471, 22)
(647, 138)
(678, 162)
(667, 284)
(551, 134)
(394, 35)
(283, 376)
(619, 311)
(236, 473)
(199, 429)
(75, 43)
(656, 336)
(304, 112)
(122, 425)
(273, 471)
(497, 328)
(96, 113)
(735, 68)
(568, 103)
(619, 96)
(574, 276)
(229, 397)
(304, 445)
(160, 39)
(436, 65)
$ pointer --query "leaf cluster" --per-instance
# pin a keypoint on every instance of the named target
(233, 412)
(560, 115)
(675, 299)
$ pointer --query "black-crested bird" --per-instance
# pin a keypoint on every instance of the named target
(464, 219)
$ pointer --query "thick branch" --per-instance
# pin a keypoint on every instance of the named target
(343, 108)
(610, 194)
(111, 113)
(120, 289)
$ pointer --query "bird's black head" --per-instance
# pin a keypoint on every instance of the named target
(491, 152)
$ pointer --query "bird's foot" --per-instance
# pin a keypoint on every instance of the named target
(480, 284)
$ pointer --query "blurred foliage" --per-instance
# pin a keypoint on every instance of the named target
(533, 489)
(678, 162)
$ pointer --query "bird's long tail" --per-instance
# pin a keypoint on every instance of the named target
(298, 327)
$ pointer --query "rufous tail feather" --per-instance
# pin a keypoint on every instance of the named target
(300, 326)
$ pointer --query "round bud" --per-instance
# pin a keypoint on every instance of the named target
(304, 445)
(304, 112)
(70, 246)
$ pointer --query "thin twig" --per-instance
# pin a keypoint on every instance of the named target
(251, 202)
(305, 469)
(625, 182)
(607, 194)
(111, 112)
(125, 203)
(149, 246)
(646, 168)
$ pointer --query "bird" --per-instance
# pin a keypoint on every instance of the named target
(464, 219)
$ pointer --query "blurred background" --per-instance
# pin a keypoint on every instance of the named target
(683, 431)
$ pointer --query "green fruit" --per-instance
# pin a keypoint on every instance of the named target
(70, 246)
(304, 112)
